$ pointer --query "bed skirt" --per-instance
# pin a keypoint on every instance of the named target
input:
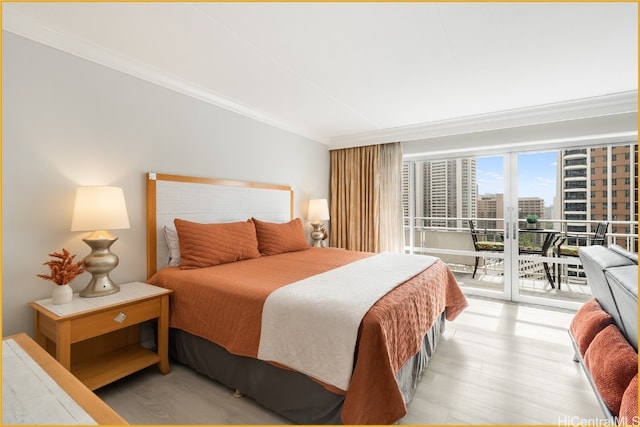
(288, 393)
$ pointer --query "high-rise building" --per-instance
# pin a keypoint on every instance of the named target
(599, 184)
(613, 179)
(490, 207)
(574, 193)
(442, 189)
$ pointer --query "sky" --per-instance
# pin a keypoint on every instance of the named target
(536, 175)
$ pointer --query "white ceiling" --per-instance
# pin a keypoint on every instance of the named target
(329, 70)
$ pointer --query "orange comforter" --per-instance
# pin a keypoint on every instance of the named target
(224, 304)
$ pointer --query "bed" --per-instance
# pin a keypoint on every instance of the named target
(318, 335)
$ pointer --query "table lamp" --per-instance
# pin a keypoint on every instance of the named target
(99, 209)
(318, 211)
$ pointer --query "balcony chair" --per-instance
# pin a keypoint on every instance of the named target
(571, 250)
(481, 244)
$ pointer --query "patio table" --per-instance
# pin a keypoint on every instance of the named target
(549, 238)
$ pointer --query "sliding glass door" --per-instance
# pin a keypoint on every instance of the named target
(530, 213)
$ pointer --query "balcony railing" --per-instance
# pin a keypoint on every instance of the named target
(423, 225)
(450, 239)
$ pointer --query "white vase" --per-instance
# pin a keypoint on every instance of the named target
(62, 294)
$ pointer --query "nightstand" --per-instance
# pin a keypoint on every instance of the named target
(98, 339)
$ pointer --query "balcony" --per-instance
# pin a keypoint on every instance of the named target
(579, 153)
(450, 239)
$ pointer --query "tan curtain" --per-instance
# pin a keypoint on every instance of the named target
(355, 201)
(391, 213)
(366, 198)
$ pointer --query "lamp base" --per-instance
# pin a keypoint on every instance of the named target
(99, 263)
(99, 287)
(317, 234)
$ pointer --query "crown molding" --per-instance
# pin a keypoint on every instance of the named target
(21, 25)
(605, 105)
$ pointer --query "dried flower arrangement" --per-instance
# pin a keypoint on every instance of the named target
(63, 269)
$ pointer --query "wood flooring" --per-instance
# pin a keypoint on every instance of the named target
(497, 363)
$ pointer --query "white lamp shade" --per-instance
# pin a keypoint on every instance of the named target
(99, 208)
(318, 209)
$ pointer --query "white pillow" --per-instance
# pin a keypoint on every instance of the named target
(171, 236)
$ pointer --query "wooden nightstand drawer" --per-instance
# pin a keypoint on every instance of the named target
(111, 320)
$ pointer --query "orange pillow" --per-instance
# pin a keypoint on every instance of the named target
(628, 415)
(612, 363)
(206, 245)
(587, 322)
(275, 238)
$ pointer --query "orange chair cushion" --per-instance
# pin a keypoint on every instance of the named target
(628, 415)
(587, 323)
(612, 363)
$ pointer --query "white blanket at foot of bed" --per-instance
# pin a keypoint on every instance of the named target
(312, 325)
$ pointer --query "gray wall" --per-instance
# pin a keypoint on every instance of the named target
(69, 122)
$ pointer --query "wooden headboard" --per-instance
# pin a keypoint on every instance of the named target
(207, 200)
